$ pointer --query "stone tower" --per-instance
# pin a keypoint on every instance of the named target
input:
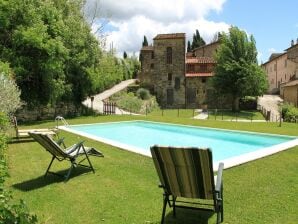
(169, 70)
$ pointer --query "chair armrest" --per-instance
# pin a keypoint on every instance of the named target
(218, 184)
(60, 141)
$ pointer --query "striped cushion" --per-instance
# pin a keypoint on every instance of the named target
(185, 172)
(49, 144)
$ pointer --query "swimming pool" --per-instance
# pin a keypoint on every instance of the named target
(231, 147)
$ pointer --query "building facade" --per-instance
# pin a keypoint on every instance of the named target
(281, 68)
(178, 80)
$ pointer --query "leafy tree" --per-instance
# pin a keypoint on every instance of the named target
(124, 55)
(237, 73)
(145, 42)
(188, 46)
(50, 49)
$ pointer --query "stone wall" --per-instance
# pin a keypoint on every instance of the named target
(207, 50)
(49, 113)
(147, 68)
(162, 85)
(198, 85)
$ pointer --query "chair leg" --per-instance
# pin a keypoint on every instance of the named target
(88, 159)
(174, 206)
(165, 200)
(69, 171)
(49, 166)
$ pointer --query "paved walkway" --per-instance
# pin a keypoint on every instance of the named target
(98, 99)
(271, 103)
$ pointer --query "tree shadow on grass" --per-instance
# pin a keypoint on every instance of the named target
(43, 181)
(188, 216)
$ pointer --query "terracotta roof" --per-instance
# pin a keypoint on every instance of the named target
(170, 36)
(201, 74)
(147, 48)
(200, 60)
(292, 83)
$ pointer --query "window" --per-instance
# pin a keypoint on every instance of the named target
(203, 80)
(169, 76)
(152, 55)
(152, 66)
(169, 55)
(177, 83)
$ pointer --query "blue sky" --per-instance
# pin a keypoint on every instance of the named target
(273, 23)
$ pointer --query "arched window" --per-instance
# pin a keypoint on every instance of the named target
(169, 55)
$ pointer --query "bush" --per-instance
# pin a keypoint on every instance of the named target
(10, 212)
(129, 102)
(143, 94)
(9, 92)
(289, 112)
(248, 103)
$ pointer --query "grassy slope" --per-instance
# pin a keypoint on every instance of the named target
(124, 187)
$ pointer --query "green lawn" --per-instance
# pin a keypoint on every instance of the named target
(229, 115)
(124, 187)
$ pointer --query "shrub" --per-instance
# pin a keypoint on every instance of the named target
(10, 212)
(143, 94)
(289, 112)
(129, 102)
(9, 91)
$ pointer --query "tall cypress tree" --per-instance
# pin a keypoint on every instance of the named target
(124, 55)
(145, 42)
(188, 46)
(197, 41)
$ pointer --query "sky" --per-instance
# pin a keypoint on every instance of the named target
(273, 23)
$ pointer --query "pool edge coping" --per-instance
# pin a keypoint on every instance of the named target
(228, 163)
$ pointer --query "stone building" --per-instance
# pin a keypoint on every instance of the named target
(281, 68)
(178, 80)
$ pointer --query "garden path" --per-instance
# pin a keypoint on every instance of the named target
(98, 98)
(270, 103)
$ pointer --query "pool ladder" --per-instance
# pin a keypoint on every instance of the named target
(60, 118)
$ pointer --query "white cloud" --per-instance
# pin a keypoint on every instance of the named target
(272, 50)
(135, 18)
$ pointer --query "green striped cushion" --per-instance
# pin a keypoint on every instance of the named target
(185, 172)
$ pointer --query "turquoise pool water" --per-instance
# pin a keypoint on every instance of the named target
(141, 135)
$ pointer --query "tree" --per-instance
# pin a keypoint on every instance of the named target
(237, 73)
(188, 46)
(145, 42)
(124, 55)
(197, 41)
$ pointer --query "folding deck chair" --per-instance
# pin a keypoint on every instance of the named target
(187, 178)
(71, 154)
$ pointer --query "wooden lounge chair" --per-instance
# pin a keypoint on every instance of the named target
(71, 154)
(25, 132)
(186, 175)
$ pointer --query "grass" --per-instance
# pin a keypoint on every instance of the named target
(124, 187)
(229, 115)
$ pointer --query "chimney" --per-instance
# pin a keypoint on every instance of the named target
(292, 43)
